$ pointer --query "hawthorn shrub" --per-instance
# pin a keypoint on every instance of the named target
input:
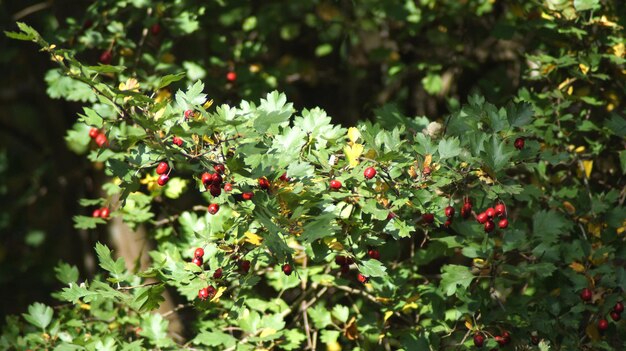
(496, 226)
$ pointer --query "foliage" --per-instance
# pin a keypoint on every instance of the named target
(435, 284)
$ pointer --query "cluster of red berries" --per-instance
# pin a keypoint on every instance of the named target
(163, 171)
(616, 313)
(206, 293)
(177, 141)
(502, 340)
(198, 257)
(99, 137)
(368, 173)
(102, 212)
(486, 218)
(345, 262)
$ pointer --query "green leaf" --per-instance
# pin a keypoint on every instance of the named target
(175, 187)
(116, 268)
(432, 83)
(84, 222)
(39, 315)
(547, 225)
(455, 276)
(622, 160)
(321, 227)
(154, 328)
(273, 111)
(214, 339)
(320, 316)
(584, 5)
(65, 273)
(519, 114)
(294, 338)
(341, 313)
(169, 79)
(495, 155)
(449, 148)
(373, 268)
(329, 336)
(148, 298)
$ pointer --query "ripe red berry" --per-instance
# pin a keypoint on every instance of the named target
(506, 336)
(391, 216)
(163, 179)
(345, 268)
(264, 183)
(203, 294)
(162, 168)
(489, 226)
(155, 29)
(615, 316)
(426, 171)
(490, 212)
(210, 291)
(93, 132)
(199, 252)
(586, 294)
(228, 187)
(284, 177)
(105, 57)
(362, 279)
(188, 114)
(340, 260)
(448, 223)
(217, 179)
(247, 195)
(335, 184)
(373, 254)
(101, 140)
(603, 324)
(287, 269)
(197, 261)
(482, 218)
(619, 307)
(449, 211)
(231, 76)
(207, 178)
(213, 208)
(503, 223)
(349, 260)
(500, 210)
(95, 213)
(177, 141)
(217, 274)
(428, 218)
(500, 340)
(479, 340)
(104, 212)
(215, 190)
(519, 143)
(244, 266)
(219, 168)
(369, 173)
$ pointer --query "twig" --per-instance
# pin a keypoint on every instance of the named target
(31, 9)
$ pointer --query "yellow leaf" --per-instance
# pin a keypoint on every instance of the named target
(583, 68)
(168, 58)
(387, 315)
(253, 238)
(587, 166)
(383, 299)
(162, 95)
(85, 306)
(333, 244)
(619, 49)
(353, 153)
(333, 346)
(208, 104)
(565, 83)
(409, 306)
(468, 323)
(605, 22)
(353, 134)
(577, 267)
(350, 331)
(594, 228)
(580, 149)
(592, 332)
(570, 90)
(569, 207)
(546, 16)
(427, 160)
(218, 294)
(267, 332)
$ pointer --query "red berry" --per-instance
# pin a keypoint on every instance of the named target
(479, 340)
(428, 218)
(482, 218)
(500, 210)
(210, 291)
(203, 294)
(449, 211)
(519, 143)
(362, 279)
(489, 226)
(213, 208)
(500, 340)
(197, 261)
(264, 183)
(349, 260)
(374, 254)
(219, 168)
(93, 132)
(244, 266)
(284, 177)
(163, 178)
(426, 171)
(207, 178)
(162, 168)
(586, 294)
(506, 336)
(287, 269)
(340, 260)
(490, 212)
(215, 190)
(188, 114)
(534, 339)
(247, 196)
(177, 141)
(101, 140)
(105, 57)
(335, 184)
(95, 213)
(104, 212)
(391, 216)
(619, 307)
(345, 269)
(615, 316)
(155, 29)
(199, 252)
(231, 76)
(228, 187)
(217, 179)
(603, 324)
(217, 274)
(448, 223)
(369, 173)
(503, 223)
